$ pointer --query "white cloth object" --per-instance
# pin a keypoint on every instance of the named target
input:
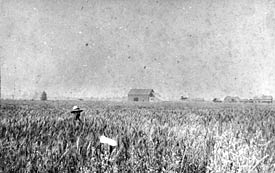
(108, 141)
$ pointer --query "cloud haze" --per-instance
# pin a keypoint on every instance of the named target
(102, 48)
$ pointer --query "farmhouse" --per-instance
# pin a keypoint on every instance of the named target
(141, 95)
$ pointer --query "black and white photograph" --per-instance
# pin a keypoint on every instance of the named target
(137, 86)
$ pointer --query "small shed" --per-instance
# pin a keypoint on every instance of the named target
(141, 95)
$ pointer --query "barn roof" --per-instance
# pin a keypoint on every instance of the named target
(140, 91)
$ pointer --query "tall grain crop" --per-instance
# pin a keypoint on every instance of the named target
(42, 137)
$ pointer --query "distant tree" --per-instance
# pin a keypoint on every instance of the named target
(43, 96)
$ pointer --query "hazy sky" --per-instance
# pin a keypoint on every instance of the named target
(102, 48)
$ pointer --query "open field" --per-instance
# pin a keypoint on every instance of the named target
(161, 137)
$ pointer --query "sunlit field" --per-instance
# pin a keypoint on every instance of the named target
(38, 136)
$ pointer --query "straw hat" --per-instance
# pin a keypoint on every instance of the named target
(76, 109)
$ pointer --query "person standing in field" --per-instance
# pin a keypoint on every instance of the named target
(77, 111)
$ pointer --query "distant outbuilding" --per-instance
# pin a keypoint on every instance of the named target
(141, 95)
(43, 96)
(183, 98)
(263, 99)
(229, 99)
(217, 100)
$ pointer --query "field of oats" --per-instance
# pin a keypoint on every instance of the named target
(161, 137)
